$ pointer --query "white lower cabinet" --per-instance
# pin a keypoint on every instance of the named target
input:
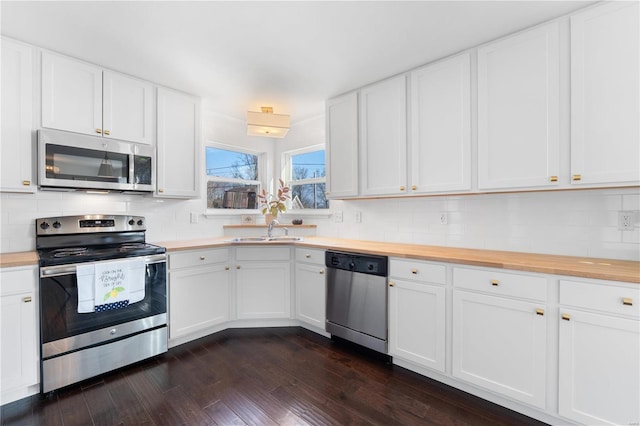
(310, 286)
(599, 371)
(19, 353)
(199, 283)
(500, 342)
(263, 282)
(417, 313)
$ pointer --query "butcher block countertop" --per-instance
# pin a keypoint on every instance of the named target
(586, 267)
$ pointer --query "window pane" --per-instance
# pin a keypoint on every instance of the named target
(227, 195)
(231, 164)
(307, 166)
(311, 195)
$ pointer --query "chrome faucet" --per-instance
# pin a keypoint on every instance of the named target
(270, 228)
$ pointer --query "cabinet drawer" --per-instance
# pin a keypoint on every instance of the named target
(190, 258)
(501, 283)
(310, 256)
(18, 280)
(418, 271)
(263, 253)
(601, 297)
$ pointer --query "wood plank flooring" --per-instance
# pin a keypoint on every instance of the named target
(268, 376)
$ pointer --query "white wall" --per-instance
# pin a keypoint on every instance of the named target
(580, 223)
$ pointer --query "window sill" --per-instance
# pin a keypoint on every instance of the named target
(290, 214)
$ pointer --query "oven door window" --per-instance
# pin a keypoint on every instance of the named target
(71, 163)
(59, 305)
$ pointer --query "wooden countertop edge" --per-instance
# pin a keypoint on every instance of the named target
(584, 267)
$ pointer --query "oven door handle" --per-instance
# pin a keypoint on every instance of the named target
(58, 270)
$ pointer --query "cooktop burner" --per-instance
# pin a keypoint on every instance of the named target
(96, 253)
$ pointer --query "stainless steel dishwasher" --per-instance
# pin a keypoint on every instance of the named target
(357, 298)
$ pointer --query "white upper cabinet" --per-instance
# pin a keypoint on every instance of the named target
(342, 146)
(605, 138)
(178, 159)
(72, 99)
(383, 137)
(17, 115)
(518, 111)
(441, 126)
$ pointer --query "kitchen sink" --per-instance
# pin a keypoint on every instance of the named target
(265, 239)
(285, 238)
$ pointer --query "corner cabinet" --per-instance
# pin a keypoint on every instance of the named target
(178, 133)
(518, 111)
(19, 331)
(599, 370)
(16, 173)
(84, 98)
(383, 137)
(342, 146)
(605, 94)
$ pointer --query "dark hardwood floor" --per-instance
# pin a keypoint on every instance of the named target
(260, 377)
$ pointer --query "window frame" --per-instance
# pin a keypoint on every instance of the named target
(287, 173)
(262, 166)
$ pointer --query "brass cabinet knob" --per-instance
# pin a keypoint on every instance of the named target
(202, 258)
(539, 311)
(107, 132)
(321, 272)
(495, 282)
(392, 284)
(566, 317)
(26, 299)
(576, 177)
(627, 301)
(413, 187)
(26, 182)
(414, 271)
(553, 178)
(237, 266)
(226, 268)
(402, 188)
(307, 255)
(99, 131)
(160, 190)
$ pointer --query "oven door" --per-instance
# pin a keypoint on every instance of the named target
(63, 329)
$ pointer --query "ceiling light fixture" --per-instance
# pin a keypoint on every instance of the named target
(267, 124)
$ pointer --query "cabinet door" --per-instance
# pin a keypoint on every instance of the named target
(500, 344)
(342, 146)
(19, 350)
(71, 95)
(178, 164)
(383, 127)
(605, 46)
(198, 299)
(599, 372)
(17, 104)
(518, 111)
(127, 108)
(417, 323)
(310, 294)
(441, 126)
(263, 290)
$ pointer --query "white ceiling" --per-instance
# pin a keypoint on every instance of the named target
(291, 55)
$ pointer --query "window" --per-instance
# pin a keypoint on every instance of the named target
(232, 178)
(305, 173)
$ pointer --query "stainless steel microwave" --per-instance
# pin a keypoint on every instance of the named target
(71, 161)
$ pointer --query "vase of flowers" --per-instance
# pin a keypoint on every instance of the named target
(271, 205)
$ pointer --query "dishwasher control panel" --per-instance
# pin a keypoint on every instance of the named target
(354, 262)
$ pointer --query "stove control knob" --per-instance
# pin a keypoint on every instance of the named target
(132, 222)
(44, 225)
(352, 265)
(140, 222)
(57, 224)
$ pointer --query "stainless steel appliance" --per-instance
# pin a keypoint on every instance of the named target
(357, 298)
(79, 337)
(71, 161)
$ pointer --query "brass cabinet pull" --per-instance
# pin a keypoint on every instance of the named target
(99, 131)
(566, 317)
(539, 311)
(107, 132)
(26, 299)
(237, 266)
(413, 187)
(414, 271)
(226, 268)
(392, 284)
(627, 301)
(402, 188)
(160, 190)
(26, 182)
(553, 178)
(495, 282)
(307, 255)
(201, 257)
(321, 272)
(576, 177)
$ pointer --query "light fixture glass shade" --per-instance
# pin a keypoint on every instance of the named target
(267, 124)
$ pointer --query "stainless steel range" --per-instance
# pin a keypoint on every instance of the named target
(103, 296)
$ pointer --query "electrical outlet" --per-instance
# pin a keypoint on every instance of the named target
(625, 221)
(194, 217)
(358, 217)
(337, 216)
(444, 218)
